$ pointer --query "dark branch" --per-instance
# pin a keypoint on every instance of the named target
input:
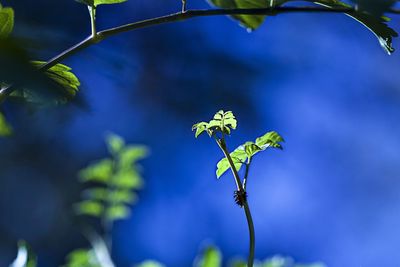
(4, 92)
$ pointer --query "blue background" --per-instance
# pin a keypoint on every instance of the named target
(321, 80)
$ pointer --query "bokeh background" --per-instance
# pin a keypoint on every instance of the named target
(321, 80)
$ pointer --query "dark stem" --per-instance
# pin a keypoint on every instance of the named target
(252, 235)
(246, 173)
(221, 143)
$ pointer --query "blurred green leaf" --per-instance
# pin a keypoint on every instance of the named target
(100, 171)
(5, 128)
(210, 258)
(127, 179)
(116, 212)
(115, 143)
(90, 207)
(150, 263)
(82, 258)
(25, 256)
(117, 179)
(6, 21)
(132, 153)
(121, 196)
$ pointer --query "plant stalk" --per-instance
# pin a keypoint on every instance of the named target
(252, 242)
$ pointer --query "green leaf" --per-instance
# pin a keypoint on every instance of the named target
(244, 152)
(25, 256)
(376, 25)
(5, 128)
(98, 172)
(238, 157)
(211, 258)
(270, 139)
(200, 128)
(100, 2)
(127, 179)
(150, 263)
(121, 196)
(115, 143)
(222, 122)
(117, 212)
(90, 207)
(96, 194)
(82, 258)
(132, 153)
(6, 21)
(250, 22)
(63, 76)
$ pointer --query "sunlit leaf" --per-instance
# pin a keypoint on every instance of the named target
(222, 122)
(244, 152)
(270, 139)
(63, 76)
(6, 21)
(238, 157)
(5, 128)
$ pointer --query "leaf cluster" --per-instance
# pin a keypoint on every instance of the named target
(112, 181)
(222, 122)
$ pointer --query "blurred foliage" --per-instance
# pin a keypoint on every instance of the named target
(211, 257)
(82, 258)
(25, 256)
(6, 21)
(5, 128)
(112, 181)
(244, 153)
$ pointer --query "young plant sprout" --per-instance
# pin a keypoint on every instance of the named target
(218, 128)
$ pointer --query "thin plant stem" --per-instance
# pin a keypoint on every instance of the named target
(252, 239)
(246, 173)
